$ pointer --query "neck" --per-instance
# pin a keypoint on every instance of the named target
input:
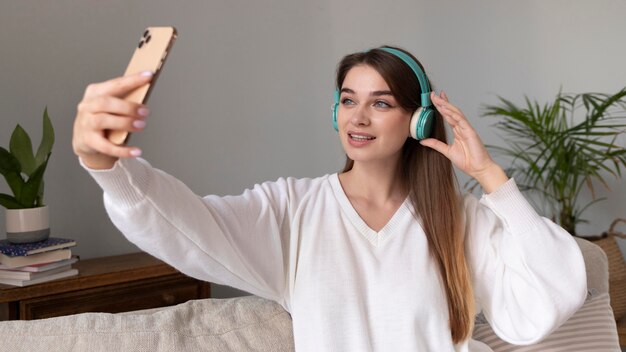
(377, 182)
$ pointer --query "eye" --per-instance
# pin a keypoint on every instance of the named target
(347, 101)
(382, 104)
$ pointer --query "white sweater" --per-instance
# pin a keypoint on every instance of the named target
(348, 288)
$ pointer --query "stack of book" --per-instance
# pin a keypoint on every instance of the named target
(32, 263)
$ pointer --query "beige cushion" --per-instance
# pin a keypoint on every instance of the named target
(597, 265)
(591, 328)
(237, 324)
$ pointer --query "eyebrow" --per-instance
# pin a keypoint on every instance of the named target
(376, 93)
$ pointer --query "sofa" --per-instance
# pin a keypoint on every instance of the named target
(254, 324)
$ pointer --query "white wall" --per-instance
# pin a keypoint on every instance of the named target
(245, 96)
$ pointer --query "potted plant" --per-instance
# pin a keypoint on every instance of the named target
(561, 147)
(26, 215)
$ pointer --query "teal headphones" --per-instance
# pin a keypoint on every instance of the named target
(423, 118)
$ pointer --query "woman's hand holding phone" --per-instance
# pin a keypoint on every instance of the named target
(103, 108)
(111, 110)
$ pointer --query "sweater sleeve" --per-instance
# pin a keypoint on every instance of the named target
(528, 273)
(241, 241)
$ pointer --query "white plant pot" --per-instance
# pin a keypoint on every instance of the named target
(27, 225)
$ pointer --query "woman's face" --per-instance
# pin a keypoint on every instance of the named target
(372, 126)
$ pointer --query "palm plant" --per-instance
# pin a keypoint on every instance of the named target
(555, 152)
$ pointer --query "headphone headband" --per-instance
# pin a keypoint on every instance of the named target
(421, 77)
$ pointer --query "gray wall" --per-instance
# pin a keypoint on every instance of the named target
(245, 96)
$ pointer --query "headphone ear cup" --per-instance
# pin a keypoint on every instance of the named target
(334, 109)
(335, 126)
(422, 123)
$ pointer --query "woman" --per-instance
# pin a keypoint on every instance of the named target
(384, 256)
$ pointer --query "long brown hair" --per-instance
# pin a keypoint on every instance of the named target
(433, 188)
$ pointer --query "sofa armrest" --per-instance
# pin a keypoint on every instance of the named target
(597, 265)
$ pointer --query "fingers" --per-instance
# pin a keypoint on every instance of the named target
(442, 102)
(103, 146)
(89, 133)
(102, 121)
(96, 147)
(113, 105)
(101, 109)
(453, 115)
(444, 96)
(119, 86)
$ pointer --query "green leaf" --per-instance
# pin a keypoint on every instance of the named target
(39, 198)
(9, 202)
(8, 163)
(32, 186)
(22, 148)
(47, 139)
(11, 169)
(555, 153)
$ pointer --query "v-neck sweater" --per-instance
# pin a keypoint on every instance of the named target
(347, 287)
(374, 237)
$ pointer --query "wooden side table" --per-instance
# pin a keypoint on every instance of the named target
(108, 284)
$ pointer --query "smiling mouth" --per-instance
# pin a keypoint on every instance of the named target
(360, 138)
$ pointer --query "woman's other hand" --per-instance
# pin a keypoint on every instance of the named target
(467, 152)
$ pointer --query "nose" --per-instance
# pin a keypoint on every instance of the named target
(360, 117)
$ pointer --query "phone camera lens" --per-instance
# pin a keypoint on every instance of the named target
(144, 39)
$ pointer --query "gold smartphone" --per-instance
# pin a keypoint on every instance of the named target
(150, 55)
